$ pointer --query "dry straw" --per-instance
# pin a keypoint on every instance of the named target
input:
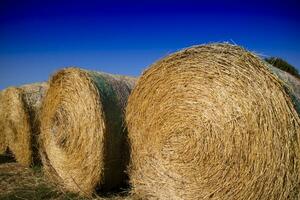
(290, 83)
(213, 122)
(83, 137)
(3, 141)
(19, 122)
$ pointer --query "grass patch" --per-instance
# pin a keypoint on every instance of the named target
(38, 192)
(21, 183)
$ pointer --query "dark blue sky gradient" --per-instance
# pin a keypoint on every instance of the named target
(124, 37)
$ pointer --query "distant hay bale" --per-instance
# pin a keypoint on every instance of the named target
(83, 138)
(213, 122)
(290, 83)
(19, 121)
(3, 141)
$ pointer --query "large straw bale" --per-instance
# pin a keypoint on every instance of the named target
(213, 122)
(20, 122)
(83, 137)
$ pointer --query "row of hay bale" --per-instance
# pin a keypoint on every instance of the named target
(208, 122)
(19, 121)
(74, 124)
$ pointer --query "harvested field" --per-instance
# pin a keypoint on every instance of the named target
(21, 183)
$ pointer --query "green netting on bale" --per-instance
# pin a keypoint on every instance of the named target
(109, 99)
(114, 137)
(291, 85)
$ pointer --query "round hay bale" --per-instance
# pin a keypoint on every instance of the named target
(3, 141)
(213, 122)
(19, 122)
(291, 85)
(83, 138)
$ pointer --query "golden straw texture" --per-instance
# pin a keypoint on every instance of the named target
(291, 85)
(83, 138)
(213, 122)
(292, 82)
(3, 141)
(19, 121)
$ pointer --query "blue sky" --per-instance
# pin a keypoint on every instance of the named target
(124, 37)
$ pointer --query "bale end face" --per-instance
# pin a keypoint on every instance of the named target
(82, 133)
(213, 122)
(19, 122)
(15, 124)
(3, 141)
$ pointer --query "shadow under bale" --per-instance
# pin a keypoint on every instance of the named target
(7, 157)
